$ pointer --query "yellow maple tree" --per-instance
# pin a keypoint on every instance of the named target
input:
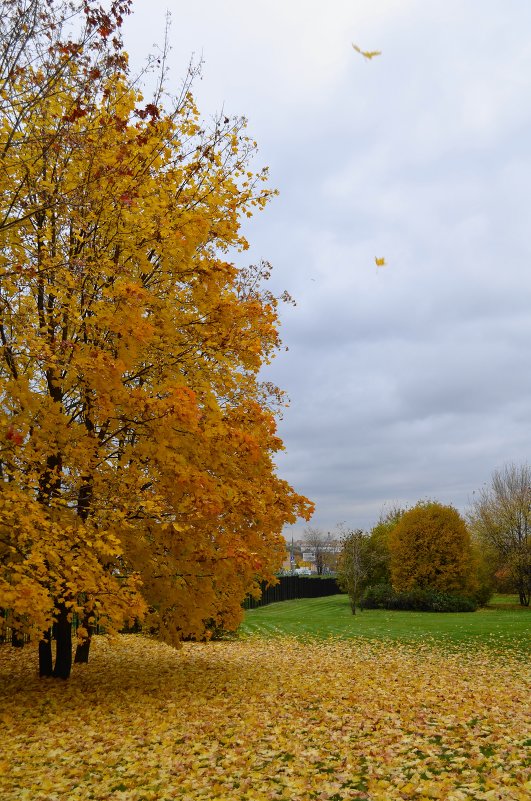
(138, 441)
(430, 548)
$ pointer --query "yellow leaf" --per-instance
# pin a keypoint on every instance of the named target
(368, 54)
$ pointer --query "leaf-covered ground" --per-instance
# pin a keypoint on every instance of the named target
(258, 719)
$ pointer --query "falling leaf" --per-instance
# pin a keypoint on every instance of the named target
(380, 262)
(368, 54)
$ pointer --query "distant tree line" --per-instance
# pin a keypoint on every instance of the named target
(429, 557)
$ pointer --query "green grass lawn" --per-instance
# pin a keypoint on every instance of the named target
(502, 624)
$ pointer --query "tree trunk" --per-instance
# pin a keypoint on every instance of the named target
(45, 655)
(83, 648)
(17, 640)
(83, 508)
(82, 652)
(63, 635)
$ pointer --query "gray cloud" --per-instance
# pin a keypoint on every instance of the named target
(412, 380)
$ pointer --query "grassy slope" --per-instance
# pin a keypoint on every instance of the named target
(503, 623)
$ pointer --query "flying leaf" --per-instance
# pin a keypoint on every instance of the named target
(368, 54)
(380, 262)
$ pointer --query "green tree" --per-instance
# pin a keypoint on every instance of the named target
(380, 571)
(485, 561)
(500, 520)
(430, 548)
(357, 561)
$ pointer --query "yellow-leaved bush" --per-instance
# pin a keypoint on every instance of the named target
(430, 548)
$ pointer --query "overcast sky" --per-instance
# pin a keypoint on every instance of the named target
(412, 380)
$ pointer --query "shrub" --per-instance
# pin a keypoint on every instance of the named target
(383, 596)
(377, 597)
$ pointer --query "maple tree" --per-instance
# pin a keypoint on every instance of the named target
(48, 41)
(430, 548)
(137, 473)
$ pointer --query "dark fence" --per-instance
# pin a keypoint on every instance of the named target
(291, 587)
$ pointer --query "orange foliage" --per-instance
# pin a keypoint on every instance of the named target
(137, 460)
(430, 548)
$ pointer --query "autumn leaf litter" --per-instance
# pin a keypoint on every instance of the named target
(266, 720)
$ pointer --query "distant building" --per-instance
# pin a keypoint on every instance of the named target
(320, 551)
(292, 560)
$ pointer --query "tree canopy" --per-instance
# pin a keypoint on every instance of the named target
(430, 549)
(136, 464)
